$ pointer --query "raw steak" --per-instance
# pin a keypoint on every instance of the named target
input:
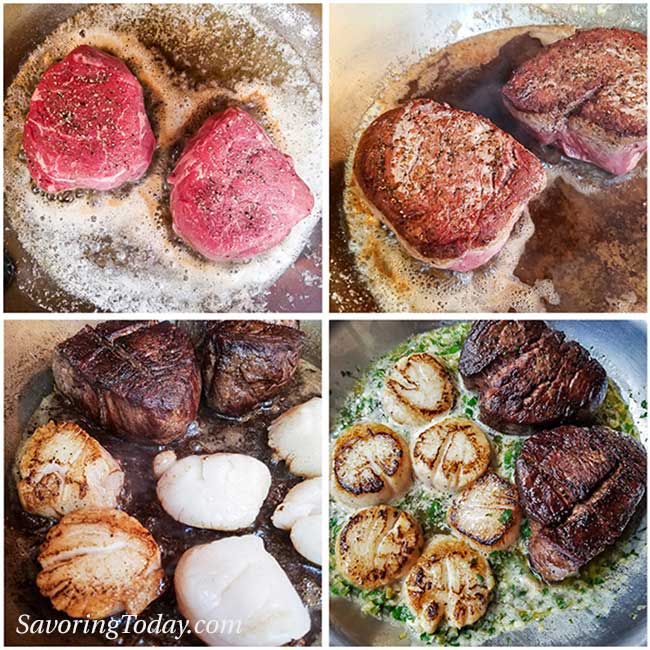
(139, 378)
(234, 193)
(587, 95)
(450, 184)
(579, 487)
(245, 363)
(87, 126)
(529, 377)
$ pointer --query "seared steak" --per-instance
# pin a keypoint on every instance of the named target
(587, 95)
(245, 363)
(579, 488)
(197, 330)
(87, 126)
(450, 184)
(529, 377)
(139, 378)
(234, 193)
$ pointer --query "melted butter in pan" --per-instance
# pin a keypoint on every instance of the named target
(116, 251)
(580, 246)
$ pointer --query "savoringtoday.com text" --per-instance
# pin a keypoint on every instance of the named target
(113, 628)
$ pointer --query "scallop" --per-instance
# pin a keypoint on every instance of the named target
(370, 465)
(98, 562)
(450, 454)
(239, 587)
(61, 469)
(300, 514)
(217, 491)
(306, 537)
(377, 546)
(163, 461)
(450, 582)
(487, 514)
(302, 500)
(296, 438)
(418, 389)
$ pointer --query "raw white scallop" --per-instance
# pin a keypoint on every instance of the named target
(162, 462)
(306, 537)
(235, 581)
(300, 513)
(302, 500)
(217, 491)
(296, 438)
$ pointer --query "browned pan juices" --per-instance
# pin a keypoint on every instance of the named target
(24, 532)
(588, 249)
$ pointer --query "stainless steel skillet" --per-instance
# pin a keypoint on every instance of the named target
(382, 55)
(621, 347)
(266, 57)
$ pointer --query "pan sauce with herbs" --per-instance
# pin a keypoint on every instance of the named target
(519, 598)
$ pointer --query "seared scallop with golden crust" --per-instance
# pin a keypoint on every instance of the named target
(370, 465)
(418, 388)
(487, 514)
(60, 468)
(98, 562)
(450, 454)
(451, 582)
(377, 546)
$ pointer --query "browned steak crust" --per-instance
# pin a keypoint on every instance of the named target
(245, 363)
(449, 183)
(573, 73)
(529, 377)
(579, 487)
(587, 95)
(139, 378)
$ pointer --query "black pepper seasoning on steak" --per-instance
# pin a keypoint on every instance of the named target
(87, 126)
(586, 94)
(448, 183)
